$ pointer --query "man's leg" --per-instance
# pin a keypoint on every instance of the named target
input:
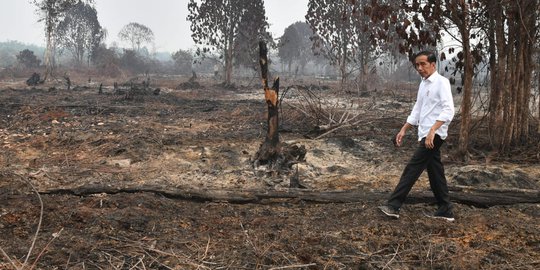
(437, 180)
(422, 156)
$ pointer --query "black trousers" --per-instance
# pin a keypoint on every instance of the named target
(422, 159)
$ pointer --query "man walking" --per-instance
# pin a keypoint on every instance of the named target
(432, 113)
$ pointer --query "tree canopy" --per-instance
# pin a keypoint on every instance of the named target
(137, 34)
(295, 44)
(338, 32)
(183, 61)
(80, 31)
(51, 13)
(27, 59)
(227, 27)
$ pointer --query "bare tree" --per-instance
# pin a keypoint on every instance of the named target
(137, 34)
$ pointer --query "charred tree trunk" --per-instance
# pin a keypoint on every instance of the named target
(270, 149)
(276, 155)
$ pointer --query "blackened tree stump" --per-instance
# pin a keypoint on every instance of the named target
(278, 156)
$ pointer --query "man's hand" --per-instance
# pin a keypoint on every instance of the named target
(401, 134)
(431, 135)
(429, 139)
(399, 137)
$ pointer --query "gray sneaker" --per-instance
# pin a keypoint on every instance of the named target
(389, 211)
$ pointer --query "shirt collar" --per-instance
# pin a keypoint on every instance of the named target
(431, 77)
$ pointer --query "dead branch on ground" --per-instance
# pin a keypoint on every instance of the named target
(325, 114)
(481, 197)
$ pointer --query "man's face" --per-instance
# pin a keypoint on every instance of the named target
(423, 66)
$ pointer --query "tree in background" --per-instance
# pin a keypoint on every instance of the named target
(51, 13)
(27, 59)
(513, 34)
(10, 49)
(252, 29)
(106, 60)
(80, 32)
(216, 26)
(338, 36)
(183, 61)
(295, 45)
(133, 62)
(137, 34)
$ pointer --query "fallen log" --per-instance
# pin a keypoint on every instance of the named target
(459, 194)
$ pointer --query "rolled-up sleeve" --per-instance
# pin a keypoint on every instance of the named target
(447, 102)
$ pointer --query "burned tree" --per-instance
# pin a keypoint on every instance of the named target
(279, 156)
(270, 149)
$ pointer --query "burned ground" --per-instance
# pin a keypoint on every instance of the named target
(203, 139)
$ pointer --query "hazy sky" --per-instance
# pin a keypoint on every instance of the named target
(166, 18)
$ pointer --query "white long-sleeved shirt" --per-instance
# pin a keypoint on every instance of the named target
(433, 102)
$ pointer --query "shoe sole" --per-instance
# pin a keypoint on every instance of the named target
(389, 214)
(443, 218)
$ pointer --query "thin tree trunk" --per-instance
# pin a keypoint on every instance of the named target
(463, 144)
(522, 107)
(229, 58)
(48, 58)
(507, 123)
(529, 30)
(228, 67)
(289, 68)
(344, 45)
(502, 71)
(495, 93)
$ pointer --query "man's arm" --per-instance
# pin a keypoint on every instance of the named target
(431, 134)
(447, 103)
(402, 132)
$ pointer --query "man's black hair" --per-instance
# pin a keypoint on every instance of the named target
(431, 56)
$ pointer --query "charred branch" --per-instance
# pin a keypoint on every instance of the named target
(479, 197)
